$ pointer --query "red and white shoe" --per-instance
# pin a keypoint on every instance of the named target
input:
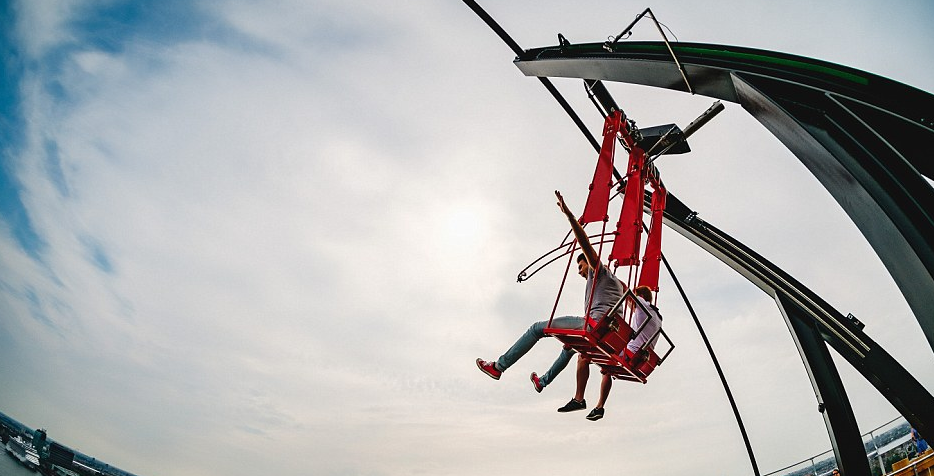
(489, 368)
(536, 382)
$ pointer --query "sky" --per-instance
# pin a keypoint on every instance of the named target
(242, 237)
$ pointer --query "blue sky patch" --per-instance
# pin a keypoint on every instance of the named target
(53, 167)
(97, 255)
(110, 28)
(14, 213)
(12, 210)
(35, 309)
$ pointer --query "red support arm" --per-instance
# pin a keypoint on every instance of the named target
(629, 228)
(653, 247)
(599, 198)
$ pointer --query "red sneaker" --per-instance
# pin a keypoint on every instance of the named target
(536, 382)
(489, 368)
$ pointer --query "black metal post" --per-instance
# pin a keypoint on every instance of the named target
(832, 401)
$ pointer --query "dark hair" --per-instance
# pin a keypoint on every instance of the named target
(581, 257)
(644, 292)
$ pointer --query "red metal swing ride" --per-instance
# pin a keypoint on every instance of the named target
(604, 340)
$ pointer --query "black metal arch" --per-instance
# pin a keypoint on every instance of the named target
(861, 135)
(864, 138)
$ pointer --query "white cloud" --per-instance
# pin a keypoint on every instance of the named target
(42, 26)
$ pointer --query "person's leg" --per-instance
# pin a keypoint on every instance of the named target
(605, 387)
(559, 364)
(583, 374)
(531, 336)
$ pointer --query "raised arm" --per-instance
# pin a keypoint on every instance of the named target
(593, 259)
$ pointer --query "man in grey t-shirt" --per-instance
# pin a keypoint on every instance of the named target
(607, 292)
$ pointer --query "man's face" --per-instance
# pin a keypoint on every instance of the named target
(582, 268)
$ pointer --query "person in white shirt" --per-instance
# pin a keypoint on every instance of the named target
(634, 352)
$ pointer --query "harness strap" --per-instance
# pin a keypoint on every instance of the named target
(598, 200)
(629, 228)
(651, 260)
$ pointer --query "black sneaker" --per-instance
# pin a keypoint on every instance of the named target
(573, 406)
(595, 414)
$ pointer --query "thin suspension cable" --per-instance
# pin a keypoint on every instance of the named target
(596, 145)
(716, 363)
(713, 357)
(545, 81)
(563, 280)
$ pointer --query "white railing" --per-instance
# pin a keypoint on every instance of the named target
(881, 437)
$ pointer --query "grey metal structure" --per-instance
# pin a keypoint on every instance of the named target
(866, 138)
(863, 137)
(814, 324)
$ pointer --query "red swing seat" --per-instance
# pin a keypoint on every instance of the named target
(604, 343)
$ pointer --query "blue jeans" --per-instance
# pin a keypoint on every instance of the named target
(531, 336)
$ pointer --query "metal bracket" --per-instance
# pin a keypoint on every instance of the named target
(648, 11)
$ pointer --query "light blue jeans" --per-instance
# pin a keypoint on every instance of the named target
(531, 336)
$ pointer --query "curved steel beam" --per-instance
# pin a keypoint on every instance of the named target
(866, 138)
(845, 335)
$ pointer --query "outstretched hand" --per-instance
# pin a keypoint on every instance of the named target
(563, 206)
(593, 259)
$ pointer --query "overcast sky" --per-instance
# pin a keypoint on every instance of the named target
(245, 237)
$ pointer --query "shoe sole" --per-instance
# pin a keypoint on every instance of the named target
(594, 417)
(538, 388)
(492, 376)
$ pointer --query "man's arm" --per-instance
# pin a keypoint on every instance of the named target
(590, 254)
